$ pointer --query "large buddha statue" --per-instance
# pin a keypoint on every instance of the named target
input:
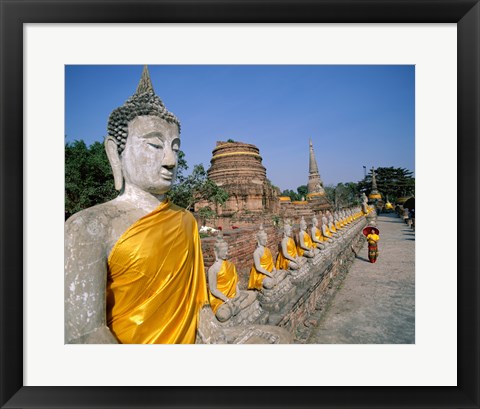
(226, 299)
(306, 247)
(133, 266)
(274, 286)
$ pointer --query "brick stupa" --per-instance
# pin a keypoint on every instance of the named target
(237, 167)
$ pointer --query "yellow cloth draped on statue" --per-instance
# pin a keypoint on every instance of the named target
(332, 228)
(307, 240)
(337, 225)
(156, 280)
(256, 278)
(227, 279)
(282, 262)
(319, 235)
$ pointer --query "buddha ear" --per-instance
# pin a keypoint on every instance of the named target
(115, 162)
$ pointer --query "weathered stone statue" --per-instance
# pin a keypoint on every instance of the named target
(275, 288)
(287, 256)
(226, 299)
(364, 199)
(288, 259)
(327, 234)
(263, 273)
(133, 266)
(317, 235)
(331, 224)
(306, 247)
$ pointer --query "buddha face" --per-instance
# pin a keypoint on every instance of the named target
(288, 230)
(315, 221)
(149, 160)
(303, 225)
(262, 239)
(221, 252)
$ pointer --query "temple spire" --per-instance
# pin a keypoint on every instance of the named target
(374, 181)
(374, 194)
(145, 84)
(315, 184)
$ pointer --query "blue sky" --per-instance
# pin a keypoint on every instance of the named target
(355, 115)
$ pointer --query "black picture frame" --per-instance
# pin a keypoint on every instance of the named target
(466, 13)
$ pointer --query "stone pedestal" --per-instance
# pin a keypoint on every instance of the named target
(274, 299)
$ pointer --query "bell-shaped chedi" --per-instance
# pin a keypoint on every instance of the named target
(237, 168)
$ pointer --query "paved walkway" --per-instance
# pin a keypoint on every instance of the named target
(375, 304)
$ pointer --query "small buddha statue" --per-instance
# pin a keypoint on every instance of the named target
(287, 256)
(364, 200)
(226, 299)
(306, 247)
(275, 287)
(317, 236)
(331, 224)
(327, 234)
(263, 273)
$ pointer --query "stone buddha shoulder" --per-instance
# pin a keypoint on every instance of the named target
(229, 304)
(122, 284)
(274, 286)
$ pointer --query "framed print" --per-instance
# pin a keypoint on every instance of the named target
(35, 375)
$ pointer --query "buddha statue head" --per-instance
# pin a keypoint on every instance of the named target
(220, 248)
(287, 229)
(143, 141)
(314, 221)
(261, 236)
(303, 224)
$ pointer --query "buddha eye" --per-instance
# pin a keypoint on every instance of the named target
(156, 146)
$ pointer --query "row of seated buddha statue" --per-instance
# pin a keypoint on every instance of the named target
(273, 284)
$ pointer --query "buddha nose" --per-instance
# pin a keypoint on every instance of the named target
(169, 158)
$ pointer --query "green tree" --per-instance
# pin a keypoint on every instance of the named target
(302, 191)
(196, 187)
(88, 176)
(392, 182)
(291, 194)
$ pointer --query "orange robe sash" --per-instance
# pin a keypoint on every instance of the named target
(256, 278)
(156, 280)
(227, 279)
(282, 262)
